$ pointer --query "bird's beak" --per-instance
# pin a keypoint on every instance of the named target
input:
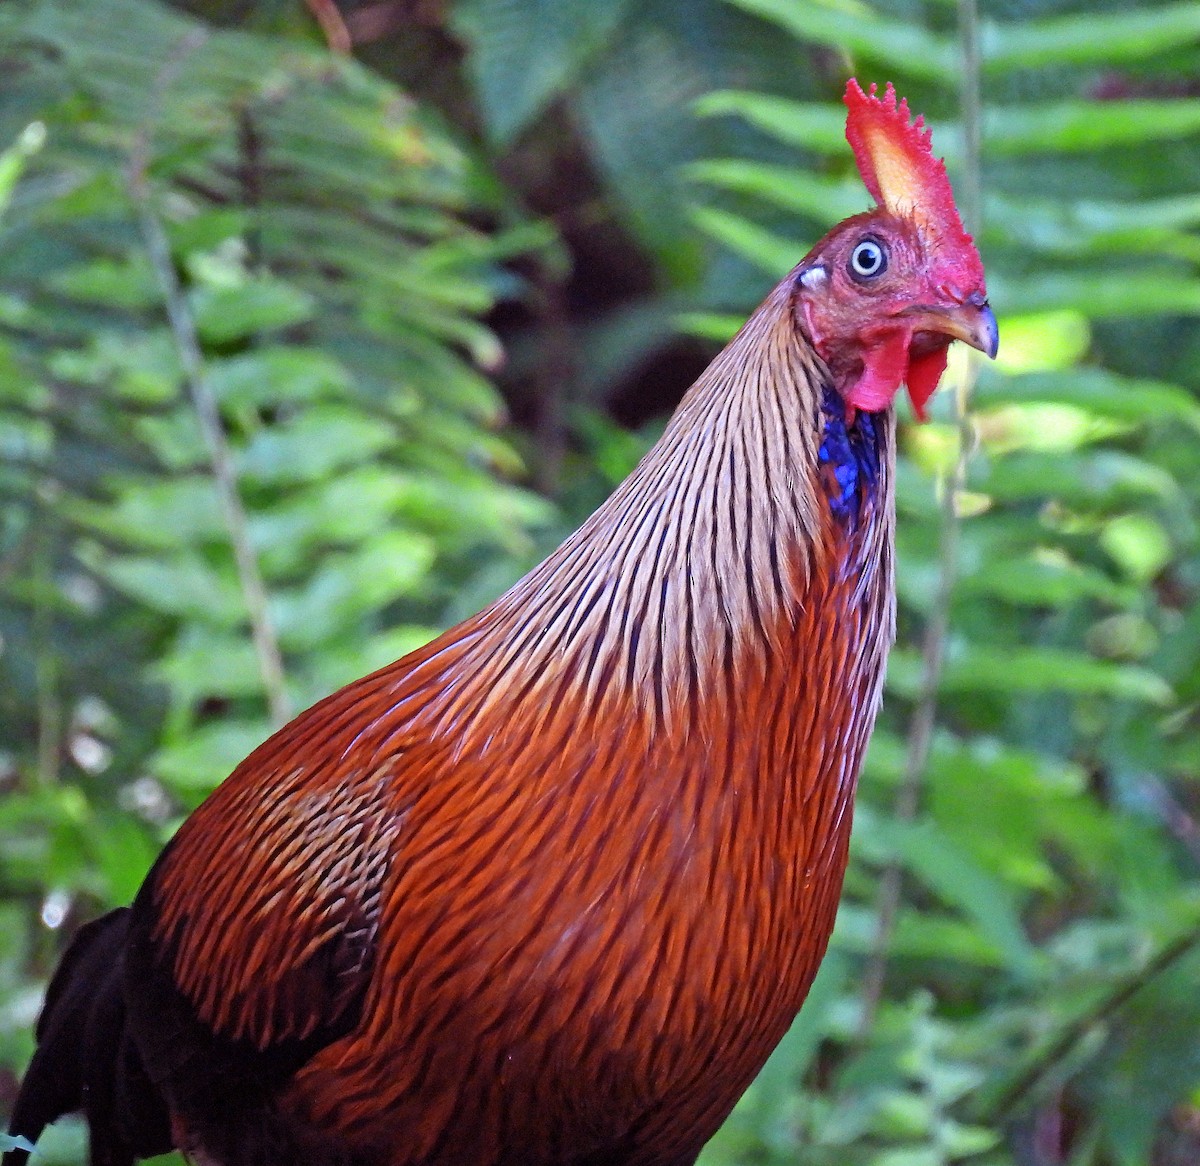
(972, 322)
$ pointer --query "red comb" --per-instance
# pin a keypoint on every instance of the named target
(897, 164)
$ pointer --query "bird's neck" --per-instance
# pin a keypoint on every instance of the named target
(758, 508)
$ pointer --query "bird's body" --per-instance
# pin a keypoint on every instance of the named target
(548, 891)
(636, 906)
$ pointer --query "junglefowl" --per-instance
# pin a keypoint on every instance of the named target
(548, 891)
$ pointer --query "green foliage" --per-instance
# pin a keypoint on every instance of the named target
(327, 292)
(628, 74)
(332, 248)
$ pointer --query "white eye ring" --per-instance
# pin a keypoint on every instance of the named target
(868, 260)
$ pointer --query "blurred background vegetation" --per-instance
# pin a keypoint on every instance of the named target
(320, 323)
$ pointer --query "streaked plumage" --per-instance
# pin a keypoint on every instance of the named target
(548, 891)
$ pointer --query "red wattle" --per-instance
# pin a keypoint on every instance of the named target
(924, 372)
(884, 367)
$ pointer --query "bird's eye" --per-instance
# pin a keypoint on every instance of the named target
(868, 260)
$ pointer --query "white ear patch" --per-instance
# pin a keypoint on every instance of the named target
(812, 277)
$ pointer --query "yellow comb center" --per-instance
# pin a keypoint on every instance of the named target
(899, 180)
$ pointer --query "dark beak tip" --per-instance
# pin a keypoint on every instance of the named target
(989, 332)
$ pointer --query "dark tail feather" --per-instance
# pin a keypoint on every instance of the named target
(85, 1059)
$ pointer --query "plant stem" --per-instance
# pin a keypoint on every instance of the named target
(970, 195)
(183, 329)
(924, 718)
(45, 657)
(333, 25)
(1111, 1003)
(187, 346)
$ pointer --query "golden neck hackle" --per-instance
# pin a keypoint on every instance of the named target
(702, 559)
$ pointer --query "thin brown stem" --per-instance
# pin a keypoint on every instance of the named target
(46, 678)
(921, 727)
(970, 195)
(337, 36)
(204, 402)
(1104, 1009)
(933, 647)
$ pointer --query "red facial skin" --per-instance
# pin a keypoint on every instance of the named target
(877, 333)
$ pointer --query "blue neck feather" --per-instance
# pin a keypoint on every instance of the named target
(849, 455)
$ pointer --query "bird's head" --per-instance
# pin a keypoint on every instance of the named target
(884, 293)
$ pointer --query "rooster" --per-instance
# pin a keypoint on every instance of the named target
(549, 890)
